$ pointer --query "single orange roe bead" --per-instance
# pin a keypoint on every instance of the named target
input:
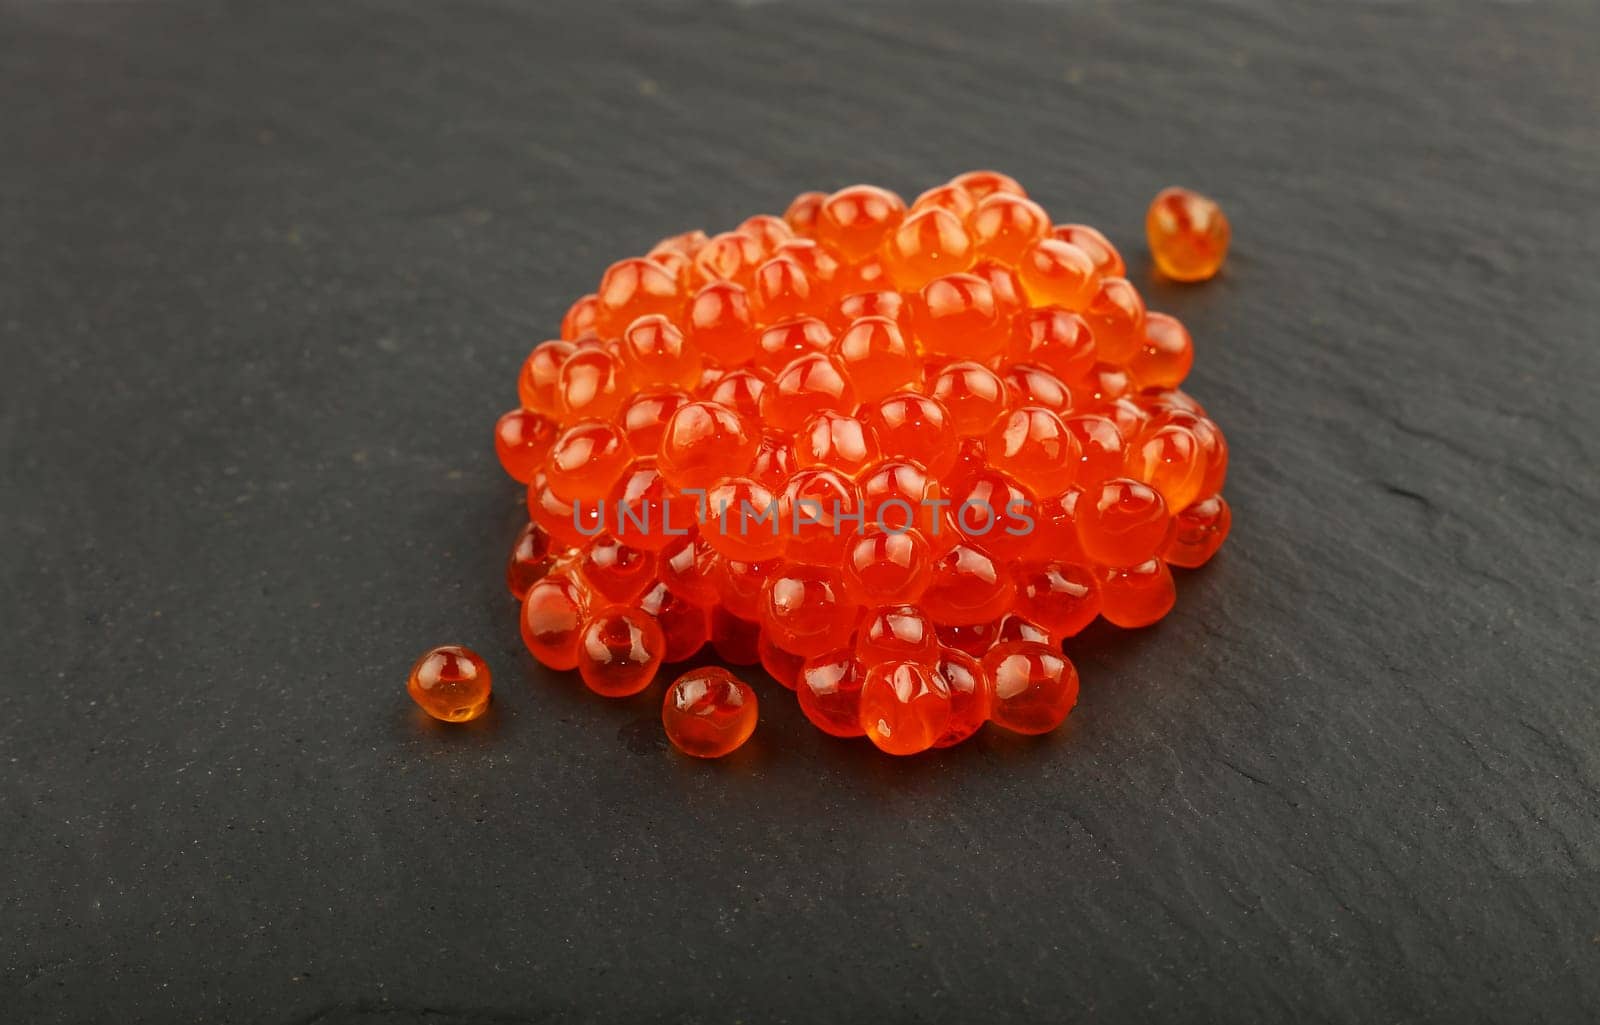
(1055, 535)
(688, 566)
(803, 212)
(807, 385)
(1032, 445)
(869, 304)
(616, 572)
(570, 524)
(1035, 686)
(731, 256)
(1004, 226)
(1060, 597)
(996, 513)
(580, 317)
(883, 567)
(1123, 522)
(645, 511)
(1100, 447)
(952, 197)
(1168, 457)
(1057, 273)
(877, 357)
(1167, 353)
(967, 587)
(829, 689)
(804, 610)
(789, 339)
(914, 427)
(720, 321)
(1188, 234)
(1199, 532)
(766, 229)
(1139, 595)
(704, 442)
(836, 442)
(981, 184)
(593, 383)
(972, 394)
(529, 562)
(1028, 385)
(1102, 385)
(709, 712)
(587, 460)
(822, 267)
(634, 288)
(782, 666)
(927, 244)
(643, 418)
(552, 616)
(736, 641)
(856, 220)
(971, 694)
(1213, 446)
(897, 495)
(742, 520)
(1015, 627)
(685, 627)
(783, 289)
(896, 633)
(521, 440)
(774, 462)
(1055, 338)
(1107, 261)
(969, 638)
(538, 386)
(956, 316)
(742, 586)
(818, 514)
(655, 353)
(1116, 317)
(905, 707)
(740, 390)
(450, 683)
(619, 651)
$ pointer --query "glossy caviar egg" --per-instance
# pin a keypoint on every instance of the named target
(775, 461)
(735, 640)
(1031, 444)
(1102, 385)
(1198, 532)
(896, 633)
(708, 712)
(782, 666)
(981, 184)
(741, 586)
(822, 268)
(804, 609)
(587, 460)
(951, 197)
(882, 567)
(522, 439)
(685, 627)
(829, 689)
(782, 342)
(580, 317)
(1165, 355)
(1059, 596)
(1169, 458)
(1107, 261)
(875, 354)
(1005, 225)
(1100, 447)
(967, 587)
(1057, 273)
(1028, 385)
(972, 394)
(1014, 627)
(643, 417)
(970, 638)
(593, 383)
(615, 571)
(955, 315)
(1188, 234)
(803, 212)
(1136, 596)
(451, 684)
(993, 511)
(529, 561)
(905, 707)
(730, 256)
(971, 694)
(915, 427)
(856, 220)
(897, 495)
(783, 289)
(767, 230)
(704, 442)
(635, 288)
(720, 322)
(838, 442)
(619, 651)
(568, 523)
(552, 616)
(646, 512)
(742, 520)
(1116, 319)
(1123, 522)
(538, 386)
(740, 390)
(688, 566)
(856, 305)
(655, 353)
(1055, 338)
(928, 243)
(806, 386)
(1035, 686)
(819, 512)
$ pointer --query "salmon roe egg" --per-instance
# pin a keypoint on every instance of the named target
(451, 684)
(709, 713)
(1188, 234)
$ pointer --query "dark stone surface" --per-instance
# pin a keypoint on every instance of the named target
(266, 274)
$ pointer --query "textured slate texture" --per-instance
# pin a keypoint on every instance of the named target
(266, 274)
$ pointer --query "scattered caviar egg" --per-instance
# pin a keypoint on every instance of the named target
(1188, 234)
(619, 651)
(892, 456)
(1035, 686)
(709, 713)
(450, 683)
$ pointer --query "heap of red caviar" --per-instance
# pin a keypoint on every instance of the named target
(895, 454)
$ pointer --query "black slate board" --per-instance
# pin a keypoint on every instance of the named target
(266, 274)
